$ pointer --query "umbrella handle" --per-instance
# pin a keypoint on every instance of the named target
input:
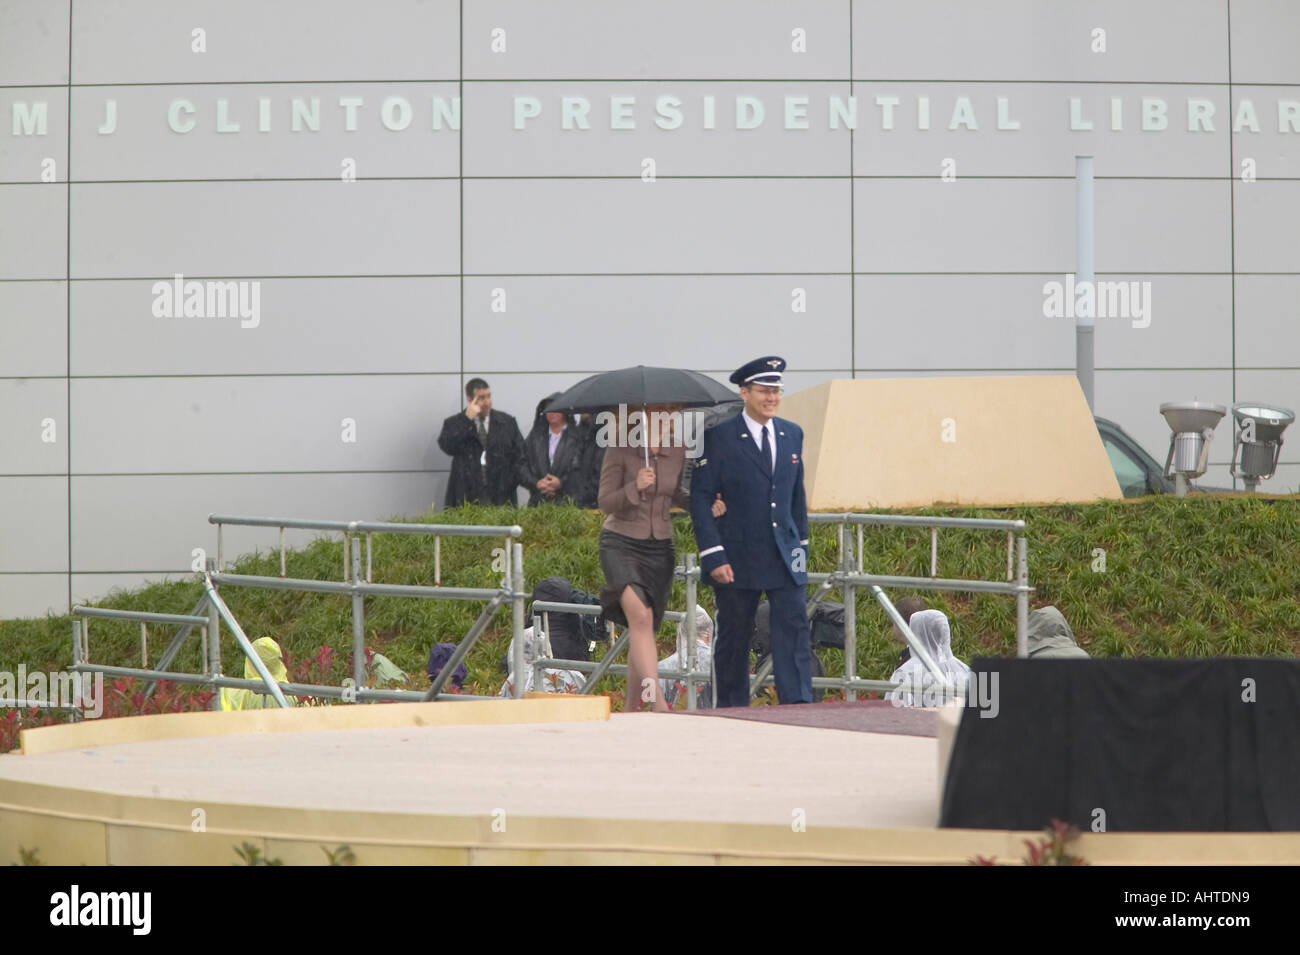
(645, 434)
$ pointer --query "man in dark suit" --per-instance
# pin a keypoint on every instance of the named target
(553, 456)
(486, 451)
(754, 463)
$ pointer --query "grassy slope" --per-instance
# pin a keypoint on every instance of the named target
(1195, 577)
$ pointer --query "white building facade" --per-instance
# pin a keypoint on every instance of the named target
(250, 252)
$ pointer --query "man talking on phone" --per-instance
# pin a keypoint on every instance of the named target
(753, 463)
(486, 451)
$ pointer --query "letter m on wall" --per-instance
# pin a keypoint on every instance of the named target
(29, 119)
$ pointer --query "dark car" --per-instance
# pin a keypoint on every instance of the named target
(1136, 471)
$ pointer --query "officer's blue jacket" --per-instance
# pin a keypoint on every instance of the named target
(764, 533)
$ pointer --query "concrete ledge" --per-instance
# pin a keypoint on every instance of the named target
(74, 827)
(543, 708)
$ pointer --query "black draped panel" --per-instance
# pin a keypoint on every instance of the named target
(1159, 745)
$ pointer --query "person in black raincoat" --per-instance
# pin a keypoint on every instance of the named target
(486, 451)
(553, 462)
(591, 457)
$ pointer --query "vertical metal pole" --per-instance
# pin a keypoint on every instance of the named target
(358, 622)
(369, 545)
(850, 636)
(437, 560)
(692, 652)
(517, 614)
(77, 655)
(282, 563)
(1084, 320)
(219, 548)
(934, 552)
(144, 646)
(1022, 600)
(860, 564)
(541, 625)
(1011, 550)
(214, 649)
(509, 562)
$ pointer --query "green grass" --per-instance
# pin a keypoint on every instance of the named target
(1195, 577)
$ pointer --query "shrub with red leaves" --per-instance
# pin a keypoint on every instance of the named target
(126, 697)
(14, 721)
(1052, 849)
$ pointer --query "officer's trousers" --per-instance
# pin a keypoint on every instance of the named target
(791, 647)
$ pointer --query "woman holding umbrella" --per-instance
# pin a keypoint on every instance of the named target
(638, 486)
(640, 480)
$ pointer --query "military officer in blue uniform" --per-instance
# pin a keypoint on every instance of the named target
(754, 462)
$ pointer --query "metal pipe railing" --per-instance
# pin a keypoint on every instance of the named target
(355, 587)
(924, 583)
(350, 529)
(250, 652)
(849, 580)
(354, 584)
(289, 689)
(909, 520)
(848, 577)
(140, 615)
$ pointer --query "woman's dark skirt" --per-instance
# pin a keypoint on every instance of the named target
(645, 565)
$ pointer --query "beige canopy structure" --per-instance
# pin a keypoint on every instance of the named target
(912, 442)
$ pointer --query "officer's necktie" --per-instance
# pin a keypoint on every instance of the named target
(767, 452)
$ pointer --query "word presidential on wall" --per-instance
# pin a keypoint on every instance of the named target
(265, 114)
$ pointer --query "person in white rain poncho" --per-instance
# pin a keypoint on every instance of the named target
(703, 660)
(919, 687)
(553, 681)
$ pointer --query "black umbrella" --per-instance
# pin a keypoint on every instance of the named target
(642, 386)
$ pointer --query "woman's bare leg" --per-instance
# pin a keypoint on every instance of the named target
(642, 655)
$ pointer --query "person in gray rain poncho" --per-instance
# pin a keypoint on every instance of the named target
(703, 660)
(1050, 637)
(553, 681)
(919, 687)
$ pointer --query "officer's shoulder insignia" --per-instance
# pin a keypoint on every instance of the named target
(703, 461)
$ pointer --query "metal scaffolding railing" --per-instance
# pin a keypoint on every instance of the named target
(849, 576)
(691, 674)
(212, 610)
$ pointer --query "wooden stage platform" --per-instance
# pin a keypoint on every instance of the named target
(542, 780)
